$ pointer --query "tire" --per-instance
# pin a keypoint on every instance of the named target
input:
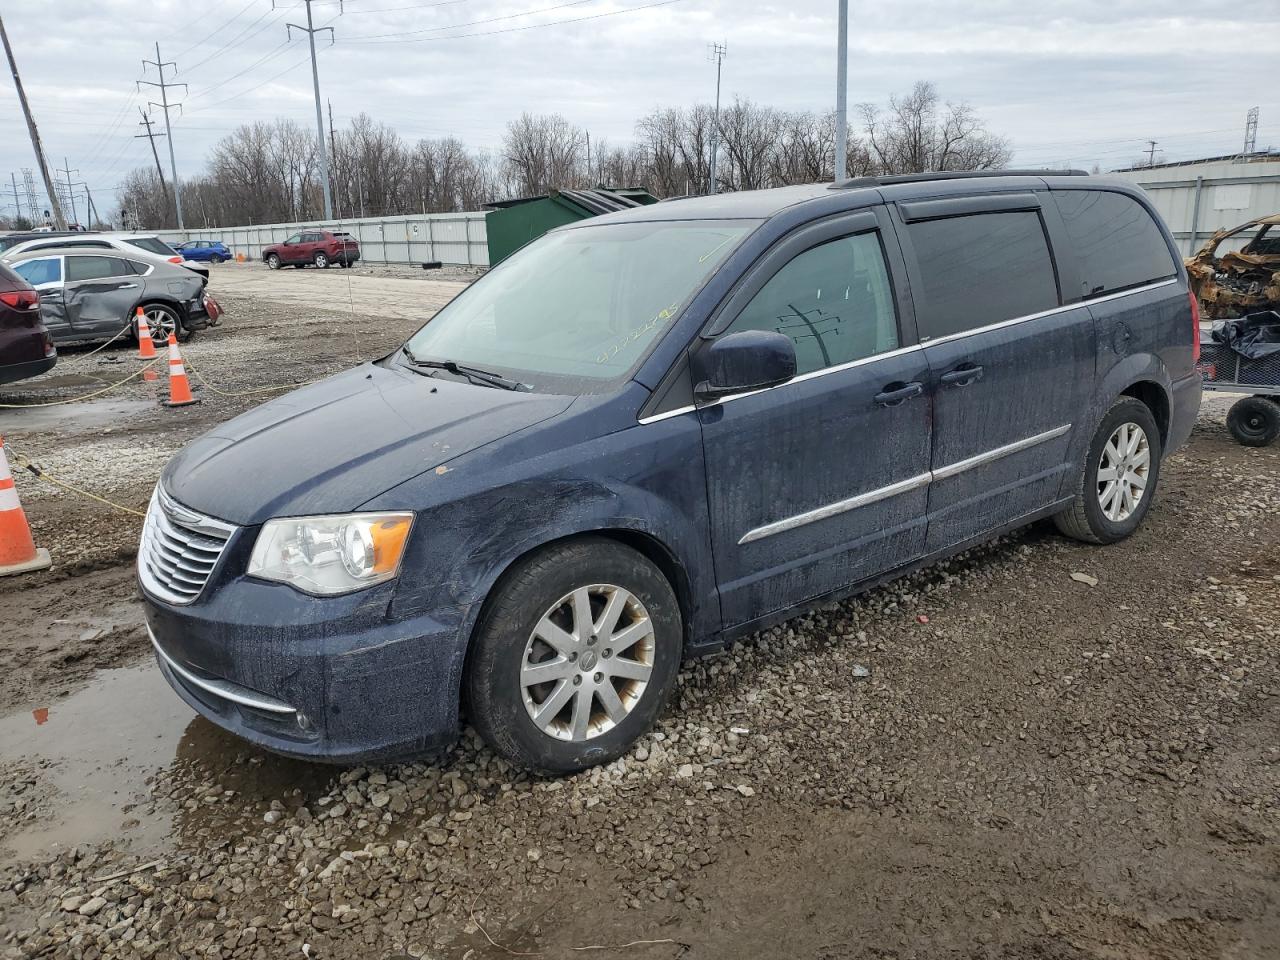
(542, 588)
(321, 261)
(273, 261)
(1087, 519)
(1254, 421)
(162, 318)
(346, 263)
(215, 259)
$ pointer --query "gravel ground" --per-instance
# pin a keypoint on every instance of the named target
(993, 758)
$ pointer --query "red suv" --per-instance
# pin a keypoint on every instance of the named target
(26, 349)
(321, 247)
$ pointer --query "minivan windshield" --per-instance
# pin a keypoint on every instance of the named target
(576, 310)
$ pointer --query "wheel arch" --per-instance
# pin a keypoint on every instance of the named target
(164, 301)
(1156, 399)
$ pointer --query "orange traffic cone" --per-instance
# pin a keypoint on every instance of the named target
(18, 553)
(146, 346)
(179, 388)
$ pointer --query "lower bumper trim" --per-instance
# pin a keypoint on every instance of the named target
(224, 689)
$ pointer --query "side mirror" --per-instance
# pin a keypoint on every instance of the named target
(743, 361)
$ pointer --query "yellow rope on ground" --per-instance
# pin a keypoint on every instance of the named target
(41, 474)
(243, 393)
(87, 396)
(125, 329)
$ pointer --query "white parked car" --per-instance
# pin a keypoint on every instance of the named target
(144, 246)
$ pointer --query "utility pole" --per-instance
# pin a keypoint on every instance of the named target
(333, 145)
(58, 221)
(310, 30)
(588, 159)
(1151, 153)
(17, 204)
(717, 53)
(842, 94)
(71, 197)
(146, 121)
(168, 128)
(93, 211)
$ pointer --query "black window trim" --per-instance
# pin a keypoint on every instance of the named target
(978, 205)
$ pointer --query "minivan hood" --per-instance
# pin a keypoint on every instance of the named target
(336, 444)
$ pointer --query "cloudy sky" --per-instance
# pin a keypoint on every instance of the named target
(1082, 82)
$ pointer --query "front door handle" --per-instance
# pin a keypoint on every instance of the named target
(895, 393)
(962, 375)
(127, 286)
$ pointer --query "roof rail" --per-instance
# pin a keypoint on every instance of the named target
(948, 175)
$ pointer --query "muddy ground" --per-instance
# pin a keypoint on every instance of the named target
(1037, 766)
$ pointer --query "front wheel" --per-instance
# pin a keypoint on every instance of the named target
(1118, 483)
(574, 657)
(273, 262)
(1254, 421)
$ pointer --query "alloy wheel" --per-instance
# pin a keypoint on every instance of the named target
(161, 323)
(587, 662)
(1123, 471)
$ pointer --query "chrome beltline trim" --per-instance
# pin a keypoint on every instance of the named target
(901, 487)
(960, 466)
(222, 688)
(920, 346)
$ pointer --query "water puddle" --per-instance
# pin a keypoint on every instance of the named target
(98, 748)
(89, 417)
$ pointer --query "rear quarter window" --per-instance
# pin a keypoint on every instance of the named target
(981, 269)
(1117, 244)
(152, 245)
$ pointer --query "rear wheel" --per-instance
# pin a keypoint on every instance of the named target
(1254, 421)
(321, 260)
(1118, 483)
(346, 263)
(273, 261)
(575, 656)
(215, 259)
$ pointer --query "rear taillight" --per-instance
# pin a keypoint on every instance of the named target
(1195, 327)
(20, 299)
(175, 259)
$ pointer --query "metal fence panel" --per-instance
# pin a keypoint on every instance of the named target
(453, 238)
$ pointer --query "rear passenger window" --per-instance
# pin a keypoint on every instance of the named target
(981, 269)
(95, 268)
(834, 302)
(1117, 243)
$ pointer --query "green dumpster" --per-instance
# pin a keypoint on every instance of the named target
(513, 223)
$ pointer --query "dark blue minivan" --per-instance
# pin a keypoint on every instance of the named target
(650, 433)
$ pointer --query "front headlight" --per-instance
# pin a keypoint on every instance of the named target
(331, 555)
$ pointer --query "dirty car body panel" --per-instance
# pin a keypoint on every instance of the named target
(898, 440)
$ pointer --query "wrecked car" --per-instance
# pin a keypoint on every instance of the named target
(648, 434)
(1239, 281)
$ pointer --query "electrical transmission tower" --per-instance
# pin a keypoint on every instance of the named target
(311, 30)
(66, 168)
(716, 52)
(1251, 131)
(29, 184)
(165, 105)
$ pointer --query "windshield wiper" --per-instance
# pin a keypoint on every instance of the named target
(474, 374)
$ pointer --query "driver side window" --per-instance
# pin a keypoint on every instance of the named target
(834, 301)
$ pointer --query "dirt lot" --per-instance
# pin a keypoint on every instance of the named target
(1037, 766)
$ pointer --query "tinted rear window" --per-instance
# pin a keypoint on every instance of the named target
(95, 268)
(981, 269)
(153, 245)
(1117, 244)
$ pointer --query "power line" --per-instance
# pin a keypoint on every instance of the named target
(467, 23)
(270, 55)
(66, 168)
(209, 36)
(532, 26)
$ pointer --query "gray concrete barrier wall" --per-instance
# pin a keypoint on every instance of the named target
(453, 238)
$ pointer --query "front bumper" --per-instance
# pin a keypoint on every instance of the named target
(316, 678)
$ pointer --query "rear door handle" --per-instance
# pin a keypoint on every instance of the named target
(894, 394)
(127, 286)
(962, 375)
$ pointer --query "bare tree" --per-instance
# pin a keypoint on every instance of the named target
(542, 153)
(918, 133)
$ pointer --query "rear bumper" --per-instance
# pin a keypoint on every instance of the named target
(13, 372)
(320, 679)
(1184, 408)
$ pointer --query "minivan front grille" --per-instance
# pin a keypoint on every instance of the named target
(179, 550)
